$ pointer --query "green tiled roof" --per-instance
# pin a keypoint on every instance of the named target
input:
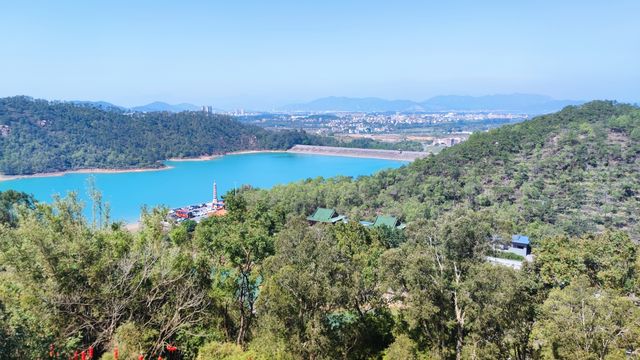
(383, 220)
(323, 215)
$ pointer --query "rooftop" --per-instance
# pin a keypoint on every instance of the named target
(325, 215)
(520, 239)
(383, 220)
(390, 221)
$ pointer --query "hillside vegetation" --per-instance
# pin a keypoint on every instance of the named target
(262, 283)
(574, 171)
(41, 136)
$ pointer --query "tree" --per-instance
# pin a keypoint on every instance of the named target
(501, 308)
(427, 275)
(585, 322)
(298, 293)
(322, 292)
(608, 259)
(10, 201)
(238, 243)
(403, 348)
(80, 284)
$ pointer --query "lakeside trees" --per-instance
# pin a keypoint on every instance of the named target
(77, 285)
(54, 136)
(574, 172)
(10, 201)
(586, 322)
(261, 283)
(256, 284)
(41, 136)
(322, 296)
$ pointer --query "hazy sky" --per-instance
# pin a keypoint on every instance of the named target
(265, 53)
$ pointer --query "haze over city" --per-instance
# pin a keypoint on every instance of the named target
(268, 54)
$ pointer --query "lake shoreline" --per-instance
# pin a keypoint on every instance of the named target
(354, 153)
(81, 171)
(197, 158)
(246, 152)
(4, 177)
(190, 183)
(395, 155)
(217, 156)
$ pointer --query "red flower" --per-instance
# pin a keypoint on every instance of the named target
(91, 352)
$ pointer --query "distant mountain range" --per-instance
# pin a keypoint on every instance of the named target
(47, 136)
(162, 106)
(524, 103)
(102, 105)
(152, 107)
(521, 103)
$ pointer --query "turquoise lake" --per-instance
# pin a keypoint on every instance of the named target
(191, 182)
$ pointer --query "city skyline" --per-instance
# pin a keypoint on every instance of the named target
(263, 56)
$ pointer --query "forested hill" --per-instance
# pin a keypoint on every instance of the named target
(262, 283)
(41, 136)
(577, 170)
(574, 171)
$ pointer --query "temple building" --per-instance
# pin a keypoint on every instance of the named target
(324, 215)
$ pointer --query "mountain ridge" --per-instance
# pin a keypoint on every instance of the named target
(156, 106)
(38, 136)
(163, 106)
(575, 171)
(525, 103)
(48, 136)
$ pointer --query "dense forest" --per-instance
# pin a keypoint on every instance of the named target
(42, 136)
(262, 283)
(573, 172)
(39, 136)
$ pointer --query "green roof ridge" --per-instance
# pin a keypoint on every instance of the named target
(385, 220)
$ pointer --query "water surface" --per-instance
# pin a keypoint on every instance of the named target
(190, 182)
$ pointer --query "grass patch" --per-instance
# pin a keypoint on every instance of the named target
(506, 255)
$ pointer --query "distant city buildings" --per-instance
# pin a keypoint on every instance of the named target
(448, 141)
(208, 109)
(356, 123)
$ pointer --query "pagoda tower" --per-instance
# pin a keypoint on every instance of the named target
(215, 194)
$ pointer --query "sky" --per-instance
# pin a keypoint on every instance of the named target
(262, 54)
